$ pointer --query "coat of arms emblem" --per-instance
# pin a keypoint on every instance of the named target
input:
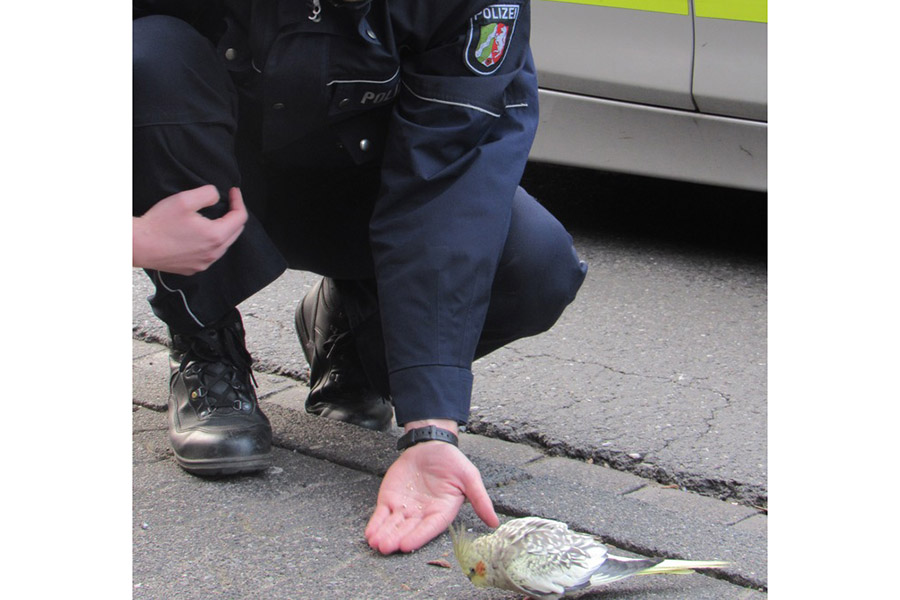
(490, 32)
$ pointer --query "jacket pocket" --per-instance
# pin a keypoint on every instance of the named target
(365, 93)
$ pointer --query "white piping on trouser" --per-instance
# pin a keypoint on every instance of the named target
(463, 105)
(183, 299)
(388, 80)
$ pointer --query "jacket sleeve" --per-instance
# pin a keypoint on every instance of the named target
(456, 149)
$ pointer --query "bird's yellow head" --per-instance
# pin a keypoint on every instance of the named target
(468, 555)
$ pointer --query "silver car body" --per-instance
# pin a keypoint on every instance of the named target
(665, 88)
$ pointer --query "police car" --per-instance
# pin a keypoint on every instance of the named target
(664, 88)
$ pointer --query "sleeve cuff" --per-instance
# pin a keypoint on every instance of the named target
(431, 392)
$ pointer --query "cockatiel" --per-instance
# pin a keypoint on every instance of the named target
(544, 559)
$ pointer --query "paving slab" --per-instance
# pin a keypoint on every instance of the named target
(295, 530)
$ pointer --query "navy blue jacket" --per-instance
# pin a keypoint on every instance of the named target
(443, 93)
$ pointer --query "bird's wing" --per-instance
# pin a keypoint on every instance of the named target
(615, 568)
(515, 530)
(514, 582)
(550, 560)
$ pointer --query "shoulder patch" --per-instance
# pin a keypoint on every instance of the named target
(490, 32)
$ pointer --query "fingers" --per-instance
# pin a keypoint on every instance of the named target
(385, 529)
(208, 195)
(406, 538)
(237, 202)
(226, 229)
(391, 535)
(421, 532)
(197, 198)
(377, 520)
(389, 531)
(231, 225)
(479, 499)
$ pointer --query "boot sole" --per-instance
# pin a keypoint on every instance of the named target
(233, 466)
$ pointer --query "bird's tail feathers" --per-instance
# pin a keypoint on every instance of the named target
(682, 567)
(620, 567)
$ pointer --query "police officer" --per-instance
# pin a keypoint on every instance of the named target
(379, 144)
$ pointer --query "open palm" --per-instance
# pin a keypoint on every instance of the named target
(420, 496)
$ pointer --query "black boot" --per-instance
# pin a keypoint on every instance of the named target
(339, 388)
(215, 424)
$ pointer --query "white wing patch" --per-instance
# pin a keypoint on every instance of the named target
(556, 560)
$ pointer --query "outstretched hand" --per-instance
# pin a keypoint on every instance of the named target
(421, 494)
(173, 237)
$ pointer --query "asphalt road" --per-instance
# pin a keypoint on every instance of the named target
(659, 366)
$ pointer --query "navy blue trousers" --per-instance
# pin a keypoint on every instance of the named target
(192, 127)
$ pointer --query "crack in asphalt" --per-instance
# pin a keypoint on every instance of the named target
(619, 459)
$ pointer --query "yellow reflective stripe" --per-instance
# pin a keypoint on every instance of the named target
(735, 10)
(675, 7)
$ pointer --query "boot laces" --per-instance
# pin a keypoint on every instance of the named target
(222, 365)
(336, 343)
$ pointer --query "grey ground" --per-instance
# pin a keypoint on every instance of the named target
(640, 417)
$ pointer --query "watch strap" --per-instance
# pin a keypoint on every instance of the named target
(426, 434)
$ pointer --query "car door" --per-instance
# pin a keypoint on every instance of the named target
(632, 50)
(730, 58)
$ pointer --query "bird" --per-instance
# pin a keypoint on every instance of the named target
(545, 560)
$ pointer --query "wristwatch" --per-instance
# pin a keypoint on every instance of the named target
(426, 434)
